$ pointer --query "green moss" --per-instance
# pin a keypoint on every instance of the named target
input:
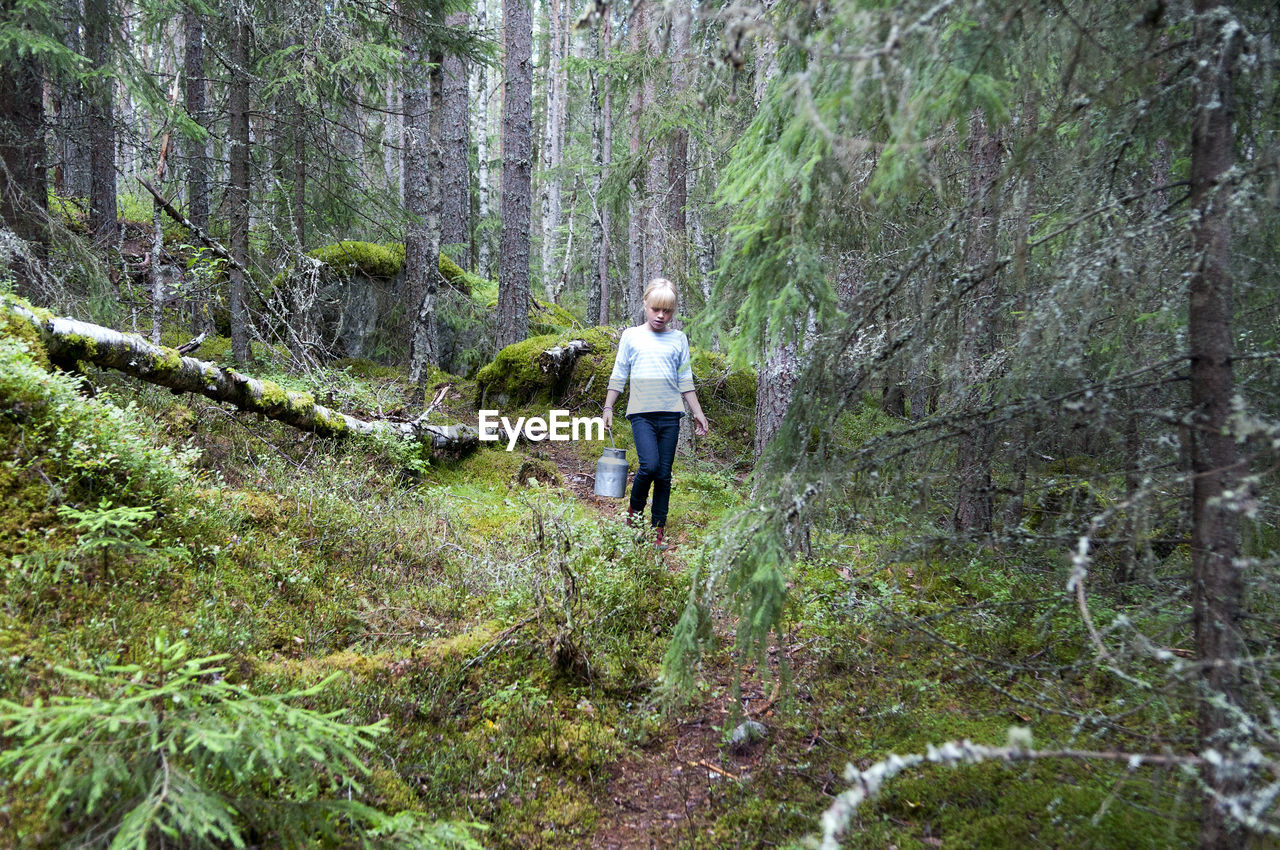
(361, 367)
(550, 318)
(168, 360)
(274, 396)
(77, 347)
(369, 258)
(19, 328)
(516, 375)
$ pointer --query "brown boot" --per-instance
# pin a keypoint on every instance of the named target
(659, 538)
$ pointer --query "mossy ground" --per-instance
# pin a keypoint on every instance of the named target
(513, 634)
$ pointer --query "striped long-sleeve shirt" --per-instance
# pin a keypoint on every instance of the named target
(658, 367)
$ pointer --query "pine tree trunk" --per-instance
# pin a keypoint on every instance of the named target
(606, 161)
(197, 150)
(299, 181)
(483, 246)
(635, 196)
(422, 202)
(655, 181)
(238, 104)
(596, 294)
(103, 224)
(23, 198)
(392, 133)
(553, 135)
(72, 172)
(455, 209)
(1217, 582)
(677, 263)
(976, 448)
(700, 241)
(517, 172)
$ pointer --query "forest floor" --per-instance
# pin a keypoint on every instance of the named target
(664, 794)
(437, 597)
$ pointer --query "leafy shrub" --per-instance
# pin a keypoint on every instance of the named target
(89, 447)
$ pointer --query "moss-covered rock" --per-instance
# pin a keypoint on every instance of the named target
(370, 258)
(519, 374)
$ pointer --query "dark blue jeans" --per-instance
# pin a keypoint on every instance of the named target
(656, 435)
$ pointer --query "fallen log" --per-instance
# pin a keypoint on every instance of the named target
(69, 341)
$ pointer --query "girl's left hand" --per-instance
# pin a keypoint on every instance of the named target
(701, 426)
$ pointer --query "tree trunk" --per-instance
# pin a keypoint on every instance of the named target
(553, 136)
(70, 341)
(103, 224)
(197, 150)
(700, 241)
(422, 200)
(775, 386)
(1217, 583)
(655, 181)
(299, 176)
(974, 491)
(677, 263)
(517, 172)
(23, 198)
(483, 249)
(597, 295)
(635, 195)
(72, 170)
(238, 186)
(606, 161)
(455, 205)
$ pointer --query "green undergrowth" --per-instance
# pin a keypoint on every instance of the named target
(505, 638)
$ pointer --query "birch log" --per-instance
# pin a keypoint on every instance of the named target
(70, 340)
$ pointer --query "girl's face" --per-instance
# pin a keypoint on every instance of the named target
(657, 318)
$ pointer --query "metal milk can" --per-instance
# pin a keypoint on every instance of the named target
(611, 472)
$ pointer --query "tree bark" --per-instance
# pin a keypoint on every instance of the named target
(974, 454)
(597, 295)
(483, 249)
(424, 349)
(197, 150)
(455, 205)
(1217, 583)
(69, 341)
(677, 244)
(72, 170)
(23, 198)
(655, 181)
(103, 223)
(517, 172)
(238, 187)
(635, 197)
(606, 164)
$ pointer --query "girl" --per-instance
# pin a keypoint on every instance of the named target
(655, 357)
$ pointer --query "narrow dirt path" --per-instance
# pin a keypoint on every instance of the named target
(663, 794)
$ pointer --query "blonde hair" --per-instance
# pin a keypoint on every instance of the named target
(660, 294)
